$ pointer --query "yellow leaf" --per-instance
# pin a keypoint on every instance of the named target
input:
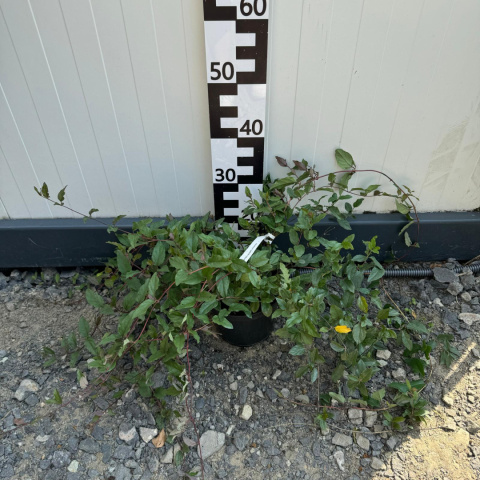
(342, 329)
(159, 441)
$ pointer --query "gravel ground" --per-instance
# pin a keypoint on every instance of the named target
(255, 419)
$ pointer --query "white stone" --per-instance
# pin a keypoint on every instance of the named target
(466, 297)
(83, 382)
(377, 464)
(339, 456)
(363, 443)
(302, 399)
(127, 435)
(399, 374)
(42, 438)
(210, 443)
(276, 374)
(73, 467)
(25, 387)
(285, 392)
(382, 363)
(342, 440)
(171, 452)
(355, 415)
(148, 434)
(247, 412)
(448, 400)
(234, 386)
(437, 302)
(384, 354)
(370, 418)
(469, 318)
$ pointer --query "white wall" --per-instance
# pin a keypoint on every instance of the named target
(109, 97)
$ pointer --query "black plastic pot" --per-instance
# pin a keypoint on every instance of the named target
(247, 331)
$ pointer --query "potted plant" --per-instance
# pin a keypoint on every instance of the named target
(171, 279)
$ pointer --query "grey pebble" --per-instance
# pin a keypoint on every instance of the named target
(89, 445)
(243, 395)
(240, 441)
(107, 452)
(123, 452)
(444, 275)
(61, 458)
(44, 464)
(271, 394)
(199, 403)
(72, 444)
(122, 473)
(98, 433)
(7, 472)
(31, 400)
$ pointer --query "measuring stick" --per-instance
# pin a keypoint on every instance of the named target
(236, 33)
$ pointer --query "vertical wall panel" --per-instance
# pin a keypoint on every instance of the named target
(76, 128)
(110, 98)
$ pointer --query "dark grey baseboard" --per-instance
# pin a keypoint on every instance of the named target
(71, 242)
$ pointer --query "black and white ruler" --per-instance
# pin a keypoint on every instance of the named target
(236, 33)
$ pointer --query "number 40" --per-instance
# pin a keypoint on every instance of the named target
(256, 128)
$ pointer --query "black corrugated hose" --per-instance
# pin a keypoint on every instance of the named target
(410, 272)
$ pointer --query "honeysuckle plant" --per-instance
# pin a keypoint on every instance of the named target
(169, 280)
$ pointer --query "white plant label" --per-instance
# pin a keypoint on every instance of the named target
(247, 254)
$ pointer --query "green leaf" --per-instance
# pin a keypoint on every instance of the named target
(408, 241)
(223, 285)
(187, 302)
(376, 274)
(302, 371)
(337, 347)
(417, 365)
(338, 372)
(417, 326)
(45, 193)
(344, 159)
(61, 194)
(402, 208)
(337, 397)
(336, 313)
(406, 226)
(91, 346)
(94, 299)
(254, 278)
(123, 263)
(140, 311)
(179, 342)
(362, 304)
(294, 239)
(378, 395)
(223, 322)
(359, 333)
(299, 250)
(407, 340)
(92, 211)
(216, 261)
(158, 253)
(153, 285)
(297, 350)
(57, 399)
(144, 390)
(401, 387)
(84, 327)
